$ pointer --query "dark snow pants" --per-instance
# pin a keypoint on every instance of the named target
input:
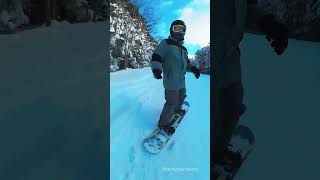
(174, 100)
(227, 111)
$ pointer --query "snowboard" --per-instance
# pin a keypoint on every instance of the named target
(156, 141)
(242, 141)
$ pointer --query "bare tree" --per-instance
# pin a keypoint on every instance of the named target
(149, 15)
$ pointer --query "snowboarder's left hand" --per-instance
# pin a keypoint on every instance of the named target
(195, 71)
(157, 73)
(276, 32)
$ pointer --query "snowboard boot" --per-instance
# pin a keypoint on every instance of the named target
(167, 129)
(180, 111)
(230, 159)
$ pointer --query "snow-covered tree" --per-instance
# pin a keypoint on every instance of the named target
(202, 59)
(12, 15)
(148, 10)
(302, 17)
(17, 13)
(131, 43)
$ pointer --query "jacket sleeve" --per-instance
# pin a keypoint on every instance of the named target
(159, 55)
(239, 26)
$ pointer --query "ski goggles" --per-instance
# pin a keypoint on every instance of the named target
(179, 28)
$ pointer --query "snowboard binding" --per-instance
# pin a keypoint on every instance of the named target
(167, 129)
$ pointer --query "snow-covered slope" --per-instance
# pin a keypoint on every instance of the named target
(53, 103)
(282, 96)
(136, 100)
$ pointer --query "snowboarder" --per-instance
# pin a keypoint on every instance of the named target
(229, 23)
(171, 58)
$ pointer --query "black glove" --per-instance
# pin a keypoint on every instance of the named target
(276, 33)
(279, 45)
(157, 73)
(195, 71)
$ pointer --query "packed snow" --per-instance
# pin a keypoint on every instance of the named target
(136, 101)
(53, 103)
(282, 98)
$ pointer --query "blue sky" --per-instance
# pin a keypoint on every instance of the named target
(195, 13)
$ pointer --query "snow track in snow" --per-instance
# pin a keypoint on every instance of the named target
(136, 100)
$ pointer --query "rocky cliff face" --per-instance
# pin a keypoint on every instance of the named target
(131, 43)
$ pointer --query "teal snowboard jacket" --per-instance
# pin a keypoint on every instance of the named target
(171, 57)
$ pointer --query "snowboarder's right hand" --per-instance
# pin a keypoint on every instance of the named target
(195, 71)
(157, 73)
(279, 45)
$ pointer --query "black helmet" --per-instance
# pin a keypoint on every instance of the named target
(180, 22)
